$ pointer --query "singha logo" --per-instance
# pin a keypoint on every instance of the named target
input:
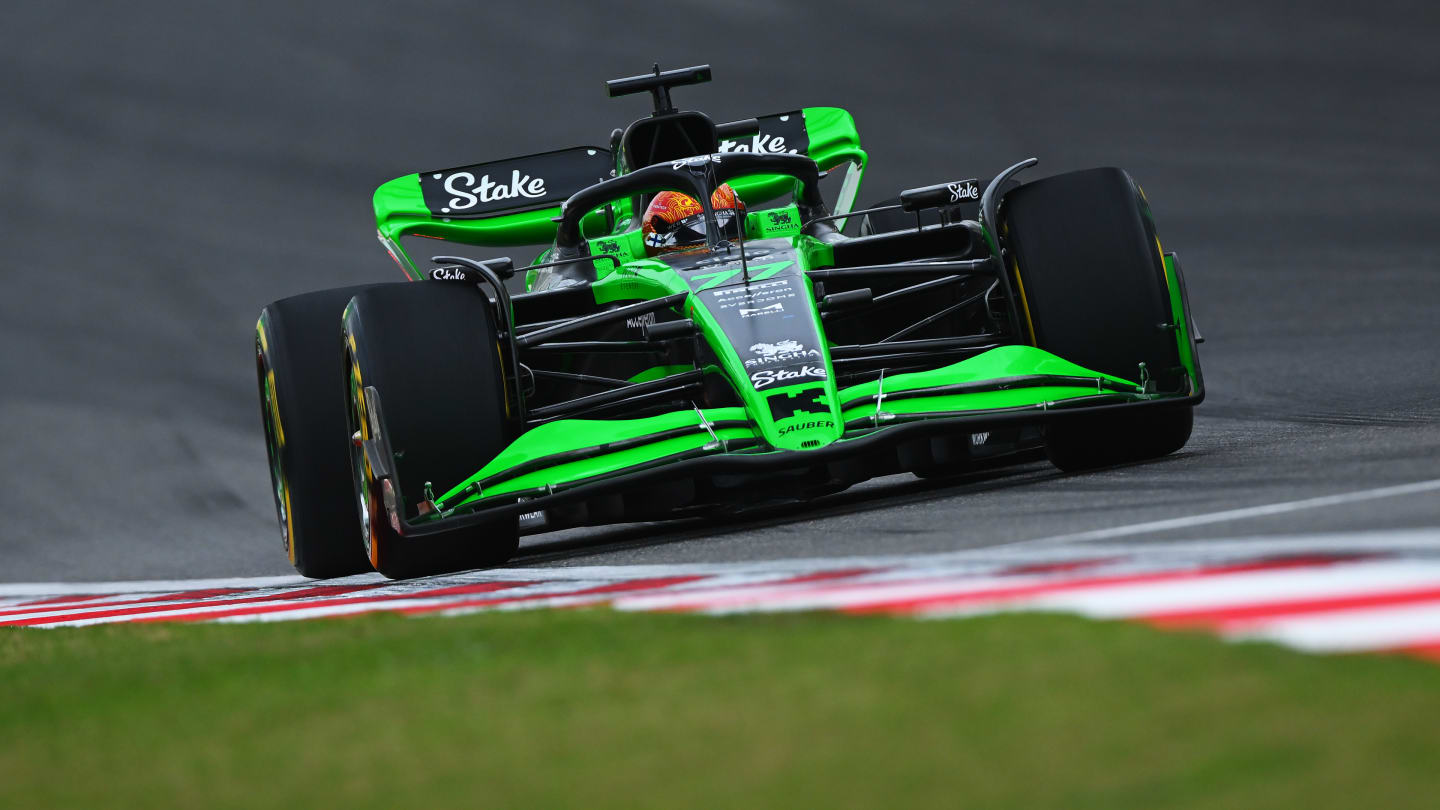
(780, 353)
(766, 350)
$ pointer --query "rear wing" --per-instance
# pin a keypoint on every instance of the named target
(826, 135)
(515, 201)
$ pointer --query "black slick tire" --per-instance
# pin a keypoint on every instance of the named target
(302, 411)
(1091, 441)
(429, 349)
(1092, 285)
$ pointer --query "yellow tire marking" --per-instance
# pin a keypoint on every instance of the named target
(274, 407)
(368, 474)
(1024, 303)
(504, 384)
(289, 526)
(270, 382)
(1020, 286)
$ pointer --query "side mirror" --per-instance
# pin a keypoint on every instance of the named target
(609, 227)
(468, 269)
(940, 195)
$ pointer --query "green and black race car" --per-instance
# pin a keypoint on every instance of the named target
(777, 359)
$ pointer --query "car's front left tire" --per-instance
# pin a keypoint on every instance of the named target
(1093, 290)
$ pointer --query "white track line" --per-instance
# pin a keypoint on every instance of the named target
(1264, 510)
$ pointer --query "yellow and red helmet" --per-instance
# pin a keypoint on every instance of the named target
(675, 221)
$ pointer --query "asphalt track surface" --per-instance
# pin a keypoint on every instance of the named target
(167, 171)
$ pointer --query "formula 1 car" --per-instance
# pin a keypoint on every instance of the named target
(413, 427)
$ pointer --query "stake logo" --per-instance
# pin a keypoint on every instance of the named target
(760, 143)
(695, 162)
(469, 192)
(782, 134)
(451, 274)
(766, 377)
(530, 181)
(965, 190)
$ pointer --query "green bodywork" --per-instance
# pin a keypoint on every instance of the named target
(560, 437)
(853, 411)
(570, 452)
(400, 208)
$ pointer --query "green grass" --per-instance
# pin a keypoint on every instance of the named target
(602, 709)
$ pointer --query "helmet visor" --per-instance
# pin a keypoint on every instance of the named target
(691, 230)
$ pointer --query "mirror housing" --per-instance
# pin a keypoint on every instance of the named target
(940, 195)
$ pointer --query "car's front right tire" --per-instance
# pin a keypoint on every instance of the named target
(430, 352)
(303, 415)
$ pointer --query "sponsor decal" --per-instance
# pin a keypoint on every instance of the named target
(451, 274)
(780, 353)
(640, 320)
(806, 426)
(777, 134)
(780, 219)
(468, 191)
(696, 161)
(749, 289)
(754, 298)
(773, 349)
(788, 406)
(965, 190)
(505, 185)
(608, 246)
(759, 142)
(766, 377)
(746, 312)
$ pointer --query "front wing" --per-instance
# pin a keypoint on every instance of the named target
(572, 460)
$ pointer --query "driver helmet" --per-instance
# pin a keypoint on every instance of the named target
(674, 221)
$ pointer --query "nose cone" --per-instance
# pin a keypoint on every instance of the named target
(800, 417)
